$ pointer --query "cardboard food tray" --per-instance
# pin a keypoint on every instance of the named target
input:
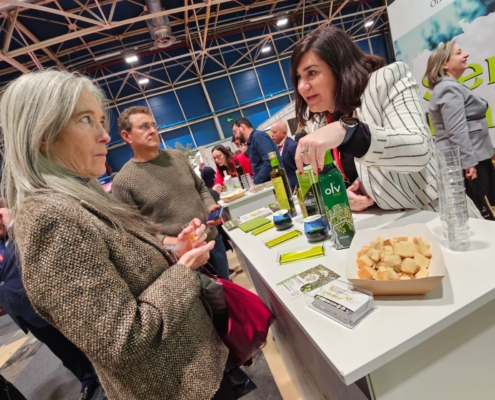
(234, 196)
(406, 287)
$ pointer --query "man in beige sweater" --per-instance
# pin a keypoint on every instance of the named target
(163, 185)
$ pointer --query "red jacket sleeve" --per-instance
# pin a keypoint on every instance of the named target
(218, 178)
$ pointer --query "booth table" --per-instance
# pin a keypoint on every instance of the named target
(440, 346)
(250, 202)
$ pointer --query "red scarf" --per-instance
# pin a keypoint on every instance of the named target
(335, 152)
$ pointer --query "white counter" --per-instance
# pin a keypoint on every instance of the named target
(248, 203)
(399, 323)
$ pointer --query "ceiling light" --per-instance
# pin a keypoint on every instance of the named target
(131, 59)
(105, 56)
(282, 21)
(369, 23)
(261, 18)
(266, 49)
(143, 81)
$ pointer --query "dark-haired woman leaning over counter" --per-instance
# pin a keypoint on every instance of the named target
(373, 115)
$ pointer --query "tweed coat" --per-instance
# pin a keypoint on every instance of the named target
(122, 299)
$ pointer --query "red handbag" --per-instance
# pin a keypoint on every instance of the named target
(248, 323)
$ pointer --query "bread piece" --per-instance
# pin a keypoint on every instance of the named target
(423, 248)
(377, 244)
(422, 273)
(391, 260)
(376, 276)
(397, 268)
(387, 242)
(391, 275)
(374, 255)
(382, 276)
(363, 251)
(421, 261)
(404, 249)
(404, 277)
(402, 238)
(382, 268)
(366, 273)
(388, 249)
(364, 261)
(408, 266)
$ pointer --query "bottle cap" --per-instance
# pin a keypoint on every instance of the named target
(272, 155)
(328, 157)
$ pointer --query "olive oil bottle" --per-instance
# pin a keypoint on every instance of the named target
(281, 185)
(336, 202)
(311, 193)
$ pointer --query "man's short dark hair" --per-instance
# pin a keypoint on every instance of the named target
(244, 121)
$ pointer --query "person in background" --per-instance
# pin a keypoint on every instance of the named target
(207, 174)
(259, 145)
(15, 301)
(240, 143)
(162, 185)
(372, 115)
(459, 117)
(226, 163)
(91, 264)
(287, 149)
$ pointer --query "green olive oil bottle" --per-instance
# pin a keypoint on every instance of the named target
(336, 203)
(281, 185)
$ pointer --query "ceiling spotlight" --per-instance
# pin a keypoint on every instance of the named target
(131, 59)
(266, 49)
(282, 21)
(143, 81)
(369, 23)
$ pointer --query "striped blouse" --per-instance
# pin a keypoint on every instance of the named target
(399, 170)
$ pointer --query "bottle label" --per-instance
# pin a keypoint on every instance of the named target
(280, 193)
(337, 208)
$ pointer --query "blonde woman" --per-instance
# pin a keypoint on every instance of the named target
(90, 267)
(458, 116)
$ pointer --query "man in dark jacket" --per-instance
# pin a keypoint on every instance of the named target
(259, 145)
(287, 148)
(14, 300)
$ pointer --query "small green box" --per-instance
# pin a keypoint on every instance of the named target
(253, 224)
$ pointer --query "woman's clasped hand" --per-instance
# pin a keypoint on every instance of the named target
(191, 248)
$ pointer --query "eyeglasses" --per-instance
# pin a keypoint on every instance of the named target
(147, 127)
(217, 157)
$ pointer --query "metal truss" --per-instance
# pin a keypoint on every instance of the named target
(214, 38)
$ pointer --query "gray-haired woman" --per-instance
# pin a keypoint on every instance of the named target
(458, 116)
(89, 266)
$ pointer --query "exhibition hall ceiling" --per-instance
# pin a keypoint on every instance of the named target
(189, 38)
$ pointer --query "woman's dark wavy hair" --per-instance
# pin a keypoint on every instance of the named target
(349, 64)
(228, 160)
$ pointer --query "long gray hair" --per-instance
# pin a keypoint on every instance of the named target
(33, 109)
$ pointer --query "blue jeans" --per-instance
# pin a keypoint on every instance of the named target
(218, 259)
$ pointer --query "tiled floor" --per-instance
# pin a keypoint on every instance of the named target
(41, 376)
